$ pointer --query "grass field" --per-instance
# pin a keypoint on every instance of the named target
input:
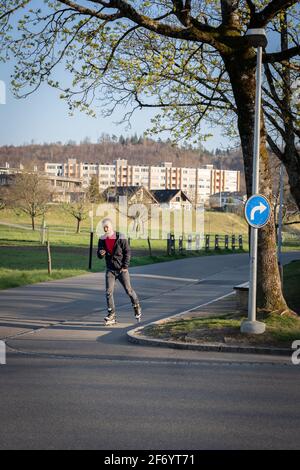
(23, 260)
(24, 264)
(57, 219)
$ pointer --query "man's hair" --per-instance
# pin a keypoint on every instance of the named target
(107, 220)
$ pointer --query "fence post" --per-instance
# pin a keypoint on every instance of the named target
(207, 242)
(190, 242)
(149, 246)
(180, 244)
(197, 242)
(226, 242)
(173, 244)
(91, 250)
(49, 254)
(240, 242)
(216, 242)
(170, 244)
(233, 242)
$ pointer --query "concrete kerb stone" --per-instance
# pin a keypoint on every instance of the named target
(136, 336)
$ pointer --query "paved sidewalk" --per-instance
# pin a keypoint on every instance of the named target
(65, 318)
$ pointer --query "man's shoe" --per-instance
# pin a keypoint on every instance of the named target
(137, 312)
(110, 319)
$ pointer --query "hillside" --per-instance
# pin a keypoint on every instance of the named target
(135, 150)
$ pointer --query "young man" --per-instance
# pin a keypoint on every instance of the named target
(116, 250)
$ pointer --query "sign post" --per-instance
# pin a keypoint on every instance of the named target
(257, 206)
(257, 214)
(91, 214)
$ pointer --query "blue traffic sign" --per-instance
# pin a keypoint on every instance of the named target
(257, 211)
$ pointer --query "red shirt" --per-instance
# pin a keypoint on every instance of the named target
(110, 243)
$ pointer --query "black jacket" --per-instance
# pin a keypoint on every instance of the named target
(120, 257)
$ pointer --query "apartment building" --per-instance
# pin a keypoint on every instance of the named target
(197, 183)
(63, 188)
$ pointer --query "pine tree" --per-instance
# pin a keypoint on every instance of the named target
(93, 193)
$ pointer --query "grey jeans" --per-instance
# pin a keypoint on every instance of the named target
(124, 278)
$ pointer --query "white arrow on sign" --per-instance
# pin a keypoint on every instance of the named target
(261, 208)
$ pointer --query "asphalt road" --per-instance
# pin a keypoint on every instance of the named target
(71, 383)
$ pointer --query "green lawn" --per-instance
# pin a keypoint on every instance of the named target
(27, 264)
(57, 219)
(23, 258)
(280, 331)
(291, 275)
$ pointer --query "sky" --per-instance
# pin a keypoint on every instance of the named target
(44, 117)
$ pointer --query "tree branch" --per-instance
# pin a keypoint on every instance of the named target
(88, 11)
(10, 12)
(275, 149)
(251, 7)
(196, 31)
(282, 55)
(262, 18)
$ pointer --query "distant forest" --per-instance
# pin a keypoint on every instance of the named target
(136, 150)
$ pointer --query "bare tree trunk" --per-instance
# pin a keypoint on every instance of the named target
(78, 226)
(291, 162)
(242, 75)
(291, 157)
(33, 222)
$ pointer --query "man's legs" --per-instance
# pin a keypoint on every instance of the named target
(110, 280)
(124, 279)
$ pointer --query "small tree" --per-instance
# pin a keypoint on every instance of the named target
(78, 210)
(93, 192)
(30, 194)
(3, 197)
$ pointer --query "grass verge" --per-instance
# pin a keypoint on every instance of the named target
(281, 330)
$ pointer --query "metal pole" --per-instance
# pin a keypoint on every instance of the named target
(91, 250)
(91, 238)
(279, 256)
(220, 182)
(252, 326)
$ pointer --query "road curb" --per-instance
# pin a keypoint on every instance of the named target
(136, 336)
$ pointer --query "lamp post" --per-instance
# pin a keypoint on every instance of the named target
(91, 214)
(256, 38)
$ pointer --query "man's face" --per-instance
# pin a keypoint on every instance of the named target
(107, 227)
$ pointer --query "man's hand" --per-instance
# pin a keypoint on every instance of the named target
(124, 270)
(102, 252)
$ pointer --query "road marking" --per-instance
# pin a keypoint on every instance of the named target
(170, 278)
(201, 305)
(215, 361)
